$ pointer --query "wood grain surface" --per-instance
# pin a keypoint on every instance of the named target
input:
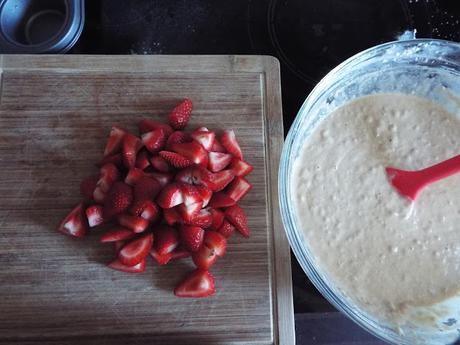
(55, 114)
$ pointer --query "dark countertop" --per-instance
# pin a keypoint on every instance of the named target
(309, 37)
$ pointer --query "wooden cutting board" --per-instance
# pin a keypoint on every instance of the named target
(55, 114)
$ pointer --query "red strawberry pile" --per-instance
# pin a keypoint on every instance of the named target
(167, 193)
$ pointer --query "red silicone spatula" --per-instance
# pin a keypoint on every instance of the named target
(410, 183)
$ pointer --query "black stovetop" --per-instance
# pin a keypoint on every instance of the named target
(308, 36)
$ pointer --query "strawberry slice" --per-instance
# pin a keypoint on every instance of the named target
(190, 193)
(176, 160)
(238, 188)
(191, 237)
(193, 152)
(74, 224)
(135, 251)
(118, 265)
(228, 140)
(180, 253)
(116, 159)
(205, 137)
(189, 212)
(160, 164)
(204, 258)
(172, 216)
(170, 196)
(196, 175)
(160, 259)
(108, 175)
(218, 161)
(217, 218)
(221, 200)
(203, 219)
(136, 224)
(146, 209)
(131, 146)
(180, 115)
(217, 147)
(205, 194)
(166, 240)
(94, 215)
(146, 189)
(133, 176)
(236, 216)
(142, 160)
(240, 167)
(226, 229)
(163, 178)
(118, 199)
(150, 125)
(114, 142)
(178, 137)
(155, 140)
(88, 185)
(200, 283)
(221, 179)
(116, 234)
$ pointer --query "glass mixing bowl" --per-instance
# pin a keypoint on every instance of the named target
(426, 68)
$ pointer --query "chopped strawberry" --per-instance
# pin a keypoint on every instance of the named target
(195, 175)
(204, 258)
(170, 196)
(214, 246)
(160, 164)
(114, 142)
(136, 224)
(200, 283)
(116, 159)
(118, 265)
(150, 125)
(217, 147)
(180, 253)
(189, 212)
(88, 185)
(146, 189)
(74, 223)
(238, 188)
(155, 140)
(142, 160)
(160, 259)
(218, 161)
(205, 194)
(203, 219)
(136, 250)
(193, 152)
(230, 143)
(172, 216)
(190, 193)
(131, 146)
(205, 137)
(117, 245)
(146, 209)
(221, 179)
(178, 137)
(94, 215)
(180, 115)
(175, 159)
(133, 176)
(162, 178)
(236, 216)
(109, 174)
(215, 241)
(217, 218)
(240, 167)
(226, 229)
(118, 199)
(191, 237)
(117, 234)
(99, 195)
(166, 239)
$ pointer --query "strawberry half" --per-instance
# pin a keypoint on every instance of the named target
(88, 185)
(218, 161)
(155, 140)
(162, 178)
(221, 179)
(146, 209)
(170, 196)
(160, 259)
(216, 242)
(191, 237)
(74, 224)
(136, 224)
(205, 137)
(189, 212)
(147, 125)
(176, 160)
(230, 143)
(205, 194)
(131, 146)
(116, 234)
(118, 199)
(94, 215)
(214, 246)
(142, 160)
(160, 164)
(240, 167)
(135, 251)
(172, 216)
(236, 216)
(180, 115)
(204, 258)
(133, 176)
(118, 265)
(203, 219)
(238, 188)
(193, 152)
(178, 137)
(166, 239)
(114, 142)
(146, 189)
(200, 283)
(226, 229)
(221, 200)
(217, 218)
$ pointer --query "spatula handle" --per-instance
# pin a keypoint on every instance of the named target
(441, 170)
